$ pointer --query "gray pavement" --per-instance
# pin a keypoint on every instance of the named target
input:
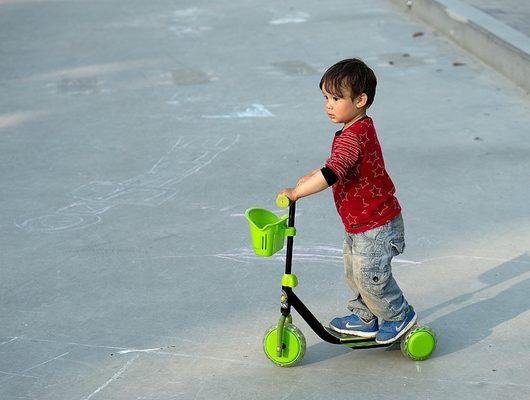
(483, 31)
(511, 12)
(133, 135)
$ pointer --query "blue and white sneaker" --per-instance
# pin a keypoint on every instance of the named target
(390, 331)
(353, 325)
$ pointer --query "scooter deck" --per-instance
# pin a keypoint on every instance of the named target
(356, 342)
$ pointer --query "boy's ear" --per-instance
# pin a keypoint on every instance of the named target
(361, 100)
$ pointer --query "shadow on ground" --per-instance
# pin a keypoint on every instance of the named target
(470, 324)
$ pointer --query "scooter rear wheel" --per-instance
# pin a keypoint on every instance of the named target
(294, 345)
(419, 343)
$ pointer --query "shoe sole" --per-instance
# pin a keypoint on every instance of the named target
(366, 335)
(401, 332)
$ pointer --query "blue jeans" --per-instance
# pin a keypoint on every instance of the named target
(367, 269)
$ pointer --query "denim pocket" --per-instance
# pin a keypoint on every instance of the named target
(375, 279)
(369, 243)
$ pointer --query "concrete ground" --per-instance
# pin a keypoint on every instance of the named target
(133, 136)
(511, 12)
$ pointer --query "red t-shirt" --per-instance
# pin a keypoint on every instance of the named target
(364, 192)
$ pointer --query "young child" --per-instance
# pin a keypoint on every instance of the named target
(364, 197)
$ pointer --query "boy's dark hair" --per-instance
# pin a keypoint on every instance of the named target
(351, 74)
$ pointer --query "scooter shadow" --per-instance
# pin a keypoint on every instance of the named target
(323, 351)
(476, 320)
(469, 324)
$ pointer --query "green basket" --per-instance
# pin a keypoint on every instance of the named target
(267, 231)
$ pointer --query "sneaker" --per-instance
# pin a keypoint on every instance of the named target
(353, 325)
(390, 331)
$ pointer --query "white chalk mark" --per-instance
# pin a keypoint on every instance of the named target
(296, 18)
(254, 111)
(152, 188)
(113, 378)
(314, 254)
(73, 343)
(323, 254)
(139, 350)
(403, 261)
(232, 259)
(474, 258)
(46, 362)
(9, 341)
(189, 30)
(12, 374)
(187, 13)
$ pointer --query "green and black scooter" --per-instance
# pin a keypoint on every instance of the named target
(284, 344)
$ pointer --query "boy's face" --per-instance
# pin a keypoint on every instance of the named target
(344, 110)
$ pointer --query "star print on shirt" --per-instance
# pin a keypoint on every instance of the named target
(373, 225)
(344, 194)
(364, 192)
(379, 170)
(352, 219)
(363, 137)
(363, 183)
(383, 210)
(365, 205)
(372, 158)
(376, 191)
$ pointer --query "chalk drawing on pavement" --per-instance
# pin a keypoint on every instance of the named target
(151, 188)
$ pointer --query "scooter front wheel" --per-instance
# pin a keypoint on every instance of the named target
(293, 345)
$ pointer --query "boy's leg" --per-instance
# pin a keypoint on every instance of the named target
(362, 322)
(356, 305)
(372, 253)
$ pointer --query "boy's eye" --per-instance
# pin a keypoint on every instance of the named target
(335, 98)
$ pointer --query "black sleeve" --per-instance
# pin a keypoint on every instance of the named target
(329, 176)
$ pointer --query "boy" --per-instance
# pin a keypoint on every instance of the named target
(364, 197)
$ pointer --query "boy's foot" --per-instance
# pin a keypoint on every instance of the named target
(353, 325)
(390, 331)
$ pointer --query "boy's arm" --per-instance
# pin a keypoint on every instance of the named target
(313, 184)
(306, 177)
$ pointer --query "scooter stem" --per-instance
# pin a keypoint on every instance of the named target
(290, 224)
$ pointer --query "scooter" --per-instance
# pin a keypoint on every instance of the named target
(284, 344)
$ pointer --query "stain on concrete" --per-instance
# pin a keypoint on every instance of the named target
(184, 77)
(294, 67)
(79, 86)
(401, 59)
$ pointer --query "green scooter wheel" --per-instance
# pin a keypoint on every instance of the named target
(419, 343)
(294, 345)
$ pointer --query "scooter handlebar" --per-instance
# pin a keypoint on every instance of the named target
(283, 201)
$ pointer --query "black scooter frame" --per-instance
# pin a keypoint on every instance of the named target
(289, 299)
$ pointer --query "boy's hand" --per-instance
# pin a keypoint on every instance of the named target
(313, 182)
(290, 193)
